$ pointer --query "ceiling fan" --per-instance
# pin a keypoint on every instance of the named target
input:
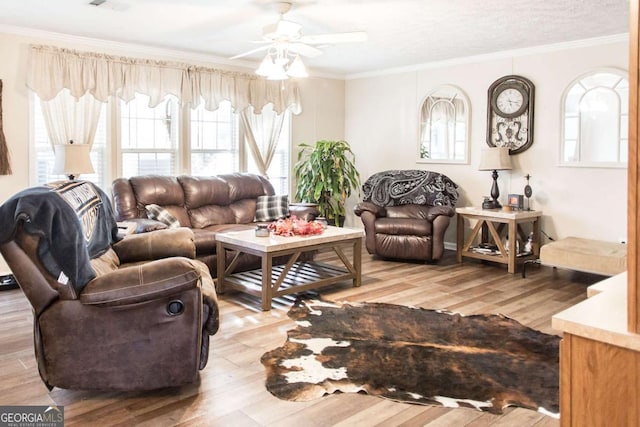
(285, 43)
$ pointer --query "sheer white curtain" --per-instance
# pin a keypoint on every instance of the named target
(69, 119)
(262, 133)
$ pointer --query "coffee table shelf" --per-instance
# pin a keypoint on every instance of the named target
(302, 276)
(270, 280)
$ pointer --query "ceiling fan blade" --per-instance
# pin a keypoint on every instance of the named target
(258, 49)
(356, 36)
(304, 49)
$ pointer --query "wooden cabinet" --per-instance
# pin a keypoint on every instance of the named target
(599, 360)
(599, 384)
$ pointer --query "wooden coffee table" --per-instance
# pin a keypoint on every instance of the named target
(295, 276)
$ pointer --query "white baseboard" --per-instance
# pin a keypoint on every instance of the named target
(451, 246)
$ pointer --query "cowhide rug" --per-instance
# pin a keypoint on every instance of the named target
(414, 355)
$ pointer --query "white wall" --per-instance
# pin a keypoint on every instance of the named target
(323, 115)
(382, 127)
(322, 100)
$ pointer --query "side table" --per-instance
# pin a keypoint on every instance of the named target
(485, 230)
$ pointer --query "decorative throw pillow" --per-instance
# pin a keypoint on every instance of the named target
(270, 208)
(161, 214)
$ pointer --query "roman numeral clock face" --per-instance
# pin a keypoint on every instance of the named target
(510, 114)
(510, 101)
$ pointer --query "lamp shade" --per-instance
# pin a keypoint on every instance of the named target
(266, 66)
(297, 68)
(72, 159)
(495, 158)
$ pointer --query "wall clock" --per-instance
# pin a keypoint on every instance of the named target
(510, 113)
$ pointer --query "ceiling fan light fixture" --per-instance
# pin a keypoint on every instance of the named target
(267, 66)
(297, 68)
(278, 73)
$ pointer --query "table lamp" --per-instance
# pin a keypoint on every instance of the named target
(72, 159)
(494, 159)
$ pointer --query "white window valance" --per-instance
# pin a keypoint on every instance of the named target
(53, 69)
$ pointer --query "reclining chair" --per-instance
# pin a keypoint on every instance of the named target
(406, 213)
(104, 318)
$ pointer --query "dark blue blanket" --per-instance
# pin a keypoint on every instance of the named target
(74, 220)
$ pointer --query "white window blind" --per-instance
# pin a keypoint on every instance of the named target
(214, 141)
(149, 137)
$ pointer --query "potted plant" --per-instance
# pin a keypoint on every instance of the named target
(326, 175)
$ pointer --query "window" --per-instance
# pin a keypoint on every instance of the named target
(44, 157)
(149, 137)
(278, 171)
(149, 141)
(596, 120)
(214, 141)
(444, 127)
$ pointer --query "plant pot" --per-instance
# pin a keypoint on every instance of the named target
(332, 221)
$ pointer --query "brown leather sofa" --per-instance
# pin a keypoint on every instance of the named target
(206, 205)
(108, 315)
(406, 213)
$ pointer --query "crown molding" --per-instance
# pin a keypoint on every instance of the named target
(122, 47)
(596, 41)
(244, 65)
(144, 50)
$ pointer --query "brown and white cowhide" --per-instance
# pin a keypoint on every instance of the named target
(414, 355)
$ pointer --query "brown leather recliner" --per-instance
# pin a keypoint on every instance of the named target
(104, 317)
(406, 213)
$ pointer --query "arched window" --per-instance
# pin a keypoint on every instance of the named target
(444, 127)
(595, 111)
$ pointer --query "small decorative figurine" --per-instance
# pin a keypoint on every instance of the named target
(528, 192)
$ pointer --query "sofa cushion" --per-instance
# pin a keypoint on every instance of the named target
(205, 239)
(163, 191)
(270, 208)
(246, 186)
(403, 226)
(159, 190)
(161, 214)
(204, 191)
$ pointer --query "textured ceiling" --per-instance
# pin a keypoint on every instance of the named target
(401, 32)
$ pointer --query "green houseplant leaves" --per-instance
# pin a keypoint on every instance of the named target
(326, 175)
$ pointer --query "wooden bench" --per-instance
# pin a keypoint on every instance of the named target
(588, 255)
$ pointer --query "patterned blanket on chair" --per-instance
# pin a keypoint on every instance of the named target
(74, 220)
(401, 187)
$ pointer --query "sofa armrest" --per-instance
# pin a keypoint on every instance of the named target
(376, 210)
(142, 283)
(155, 245)
(435, 211)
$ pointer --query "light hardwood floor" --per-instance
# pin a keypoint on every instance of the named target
(231, 391)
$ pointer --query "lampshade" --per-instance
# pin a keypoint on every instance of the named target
(72, 159)
(297, 68)
(495, 158)
(278, 73)
(266, 66)
(281, 64)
